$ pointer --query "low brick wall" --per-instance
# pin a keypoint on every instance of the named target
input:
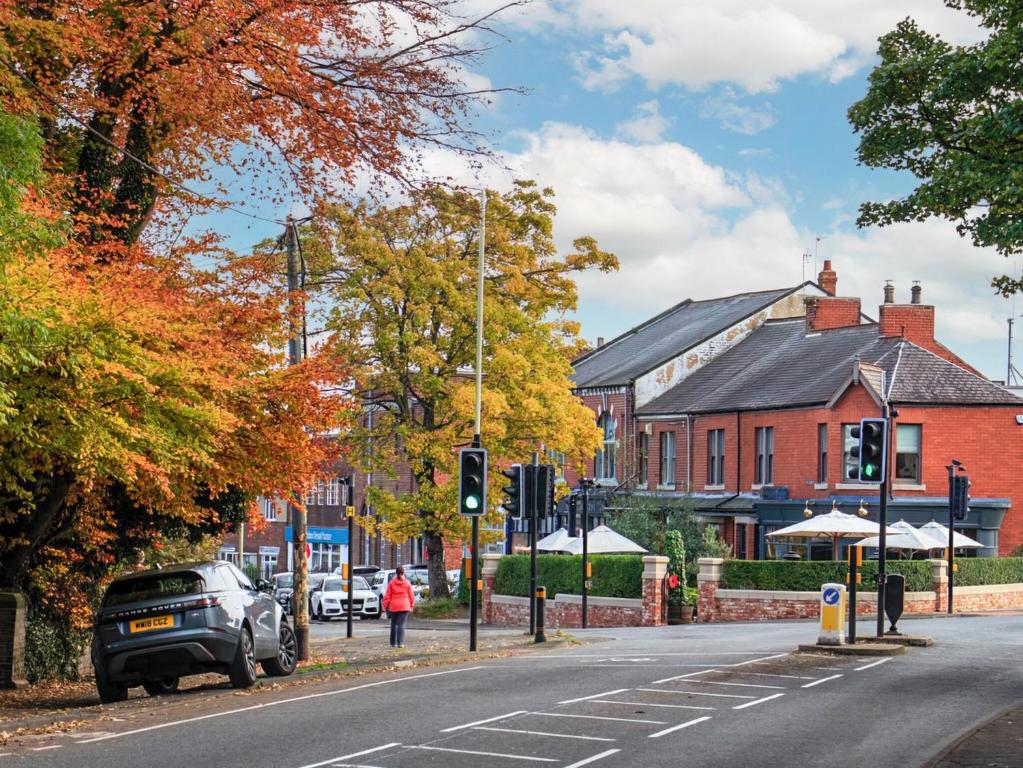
(565, 611)
(717, 604)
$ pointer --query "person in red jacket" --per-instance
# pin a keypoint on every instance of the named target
(399, 600)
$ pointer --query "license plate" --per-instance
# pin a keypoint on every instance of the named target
(153, 622)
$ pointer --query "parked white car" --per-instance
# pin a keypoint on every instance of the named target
(330, 599)
(379, 581)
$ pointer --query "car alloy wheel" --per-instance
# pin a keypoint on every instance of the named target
(243, 667)
(286, 660)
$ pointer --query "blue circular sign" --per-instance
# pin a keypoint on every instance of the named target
(831, 596)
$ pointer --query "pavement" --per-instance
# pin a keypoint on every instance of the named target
(997, 743)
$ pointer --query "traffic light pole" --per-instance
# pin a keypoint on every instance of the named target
(477, 441)
(882, 541)
(351, 565)
(532, 484)
(951, 526)
(586, 548)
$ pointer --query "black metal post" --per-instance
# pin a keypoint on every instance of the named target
(473, 591)
(882, 555)
(531, 494)
(854, 575)
(541, 602)
(951, 528)
(351, 566)
(586, 549)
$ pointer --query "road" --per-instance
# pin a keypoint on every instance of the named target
(699, 695)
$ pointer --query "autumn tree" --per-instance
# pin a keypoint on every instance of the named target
(402, 284)
(951, 115)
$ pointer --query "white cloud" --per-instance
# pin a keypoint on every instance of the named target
(736, 117)
(646, 125)
(696, 43)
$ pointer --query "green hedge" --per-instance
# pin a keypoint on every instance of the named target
(807, 576)
(978, 571)
(613, 575)
(52, 649)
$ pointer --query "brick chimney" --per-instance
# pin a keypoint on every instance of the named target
(826, 312)
(913, 322)
(828, 278)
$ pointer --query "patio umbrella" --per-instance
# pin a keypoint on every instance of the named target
(554, 542)
(940, 532)
(904, 536)
(602, 540)
(834, 525)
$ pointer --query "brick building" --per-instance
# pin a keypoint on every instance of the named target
(746, 404)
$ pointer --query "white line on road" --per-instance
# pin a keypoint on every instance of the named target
(822, 680)
(273, 704)
(652, 704)
(43, 749)
(678, 727)
(757, 661)
(488, 754)
(769, 674)
(738, 685)
(696, 693)
(601, 717)
(587, 698)
(542, 733)
(593, 759)
(758, 701)
(353, 754)
(682, 677)
(481, 722)
(877, 663)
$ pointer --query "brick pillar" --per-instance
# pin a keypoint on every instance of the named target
(708, 580)
(488, 571)
(654, 569)
(12, 640)
(939, 583)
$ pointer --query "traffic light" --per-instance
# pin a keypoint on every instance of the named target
(544, 490)
(472, 481)
(515, 505)
(872, 452)
(960, 497)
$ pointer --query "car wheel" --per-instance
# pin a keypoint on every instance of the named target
(243, 667)
(284, 663)
(161, 686)
(110, 692)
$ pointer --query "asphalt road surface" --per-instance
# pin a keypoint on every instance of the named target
(699, 695)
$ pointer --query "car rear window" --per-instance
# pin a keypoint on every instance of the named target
(154, 586)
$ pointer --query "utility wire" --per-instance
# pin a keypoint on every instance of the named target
(177, 184)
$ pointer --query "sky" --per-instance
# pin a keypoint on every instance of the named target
(705, 143)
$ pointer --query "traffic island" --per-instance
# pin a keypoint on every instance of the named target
(861, 648)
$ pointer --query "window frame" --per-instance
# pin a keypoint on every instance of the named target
(668, 464)
(764, 467)
(918, 453)
(607, 455)
(822, 453)
(716, 456)
(644, 459)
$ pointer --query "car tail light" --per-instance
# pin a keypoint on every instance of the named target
(203, 602)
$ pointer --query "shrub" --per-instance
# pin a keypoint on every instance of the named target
(463, 584)
(613, 575)
(807, 576)
(978, 571)
(52, 648)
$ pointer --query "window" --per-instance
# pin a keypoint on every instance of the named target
(822, 453)
(907, 452)
(716, 457)
(333, 492)
(270, 509)
(310, 497)
(557, 460)
(850, 464)
(764, 474)
(604, 464)
(269, 565)
(740, 541)
(319, 492)
(667, 458)
(644, 459)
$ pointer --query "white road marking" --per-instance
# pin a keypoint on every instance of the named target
(353, 754)
(696, 693)
(678, 727)
(481, 722)
(587, 698)
(822, 680)
(757, 661)
(488, 754)
(682, 677)
(594, 759)
(275, 704)
(353, 765)
(738, 685)
(542, 733)
(758, 701)
(652, 704)
(877, 663)
(43, 749)
(769, 674)
(601, 717)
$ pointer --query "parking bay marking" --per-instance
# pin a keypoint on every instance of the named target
(678, 727)
(541, 733)
(267, 704)
(652, 704)
(696, 693)
(335, 760)
(601, 717)
(738, 685)
(488, 754)
(483, 722)
(822, 680)
(682, 677)
(587, 698)
(877, 663)
(595, 758)
(758, 701)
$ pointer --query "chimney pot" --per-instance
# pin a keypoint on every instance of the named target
(828, 279)
(600, 341)
(915, 292)
(889, 292)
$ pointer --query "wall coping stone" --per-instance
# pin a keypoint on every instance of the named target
(509, 600)
(655, 566)
(764, 594)
(592, 600)
(488, 563)
(980, 589)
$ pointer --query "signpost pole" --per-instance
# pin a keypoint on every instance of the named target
(350, 514)
(586, 548)
(532, 483)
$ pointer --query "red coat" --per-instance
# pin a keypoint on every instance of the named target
(399, 595)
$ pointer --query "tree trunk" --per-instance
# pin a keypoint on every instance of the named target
(14, 567)
(435, 562)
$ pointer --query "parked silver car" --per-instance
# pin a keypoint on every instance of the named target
(155, 627)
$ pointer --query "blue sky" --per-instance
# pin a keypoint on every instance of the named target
(705, 143)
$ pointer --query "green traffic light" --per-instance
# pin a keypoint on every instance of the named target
(869, 470)
(472, 502)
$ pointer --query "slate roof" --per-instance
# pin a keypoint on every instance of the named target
(668, 335)
(780, 366)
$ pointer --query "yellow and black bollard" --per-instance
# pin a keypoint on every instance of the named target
(541, 600)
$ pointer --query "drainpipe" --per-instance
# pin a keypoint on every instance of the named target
(738, 452)
(689, 453)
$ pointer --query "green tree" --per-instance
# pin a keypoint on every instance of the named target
(953, 117)
(402, 284)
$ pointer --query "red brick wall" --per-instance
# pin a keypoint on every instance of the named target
(618, 405)
(654, 479)
(825, 312)
(566, 615)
